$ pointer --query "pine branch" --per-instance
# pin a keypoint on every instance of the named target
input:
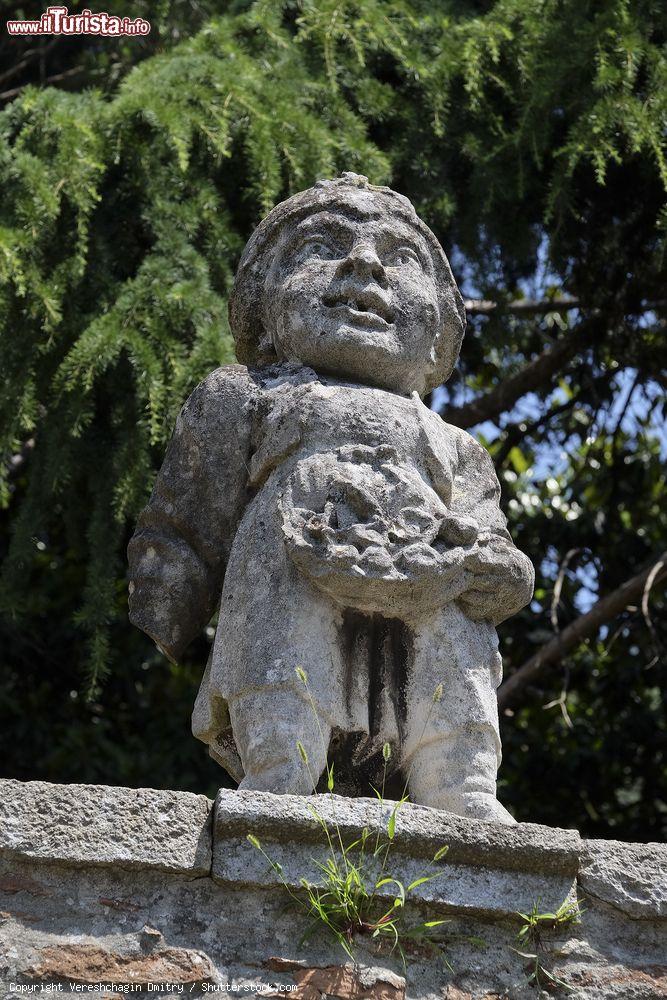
(17, 461)
(582, 628)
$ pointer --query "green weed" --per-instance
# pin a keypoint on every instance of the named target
(534, 925)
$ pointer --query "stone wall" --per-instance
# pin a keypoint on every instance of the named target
(118, 890)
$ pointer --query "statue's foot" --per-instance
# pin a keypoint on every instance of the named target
(280, 740)
(282, 779)
(475, 805)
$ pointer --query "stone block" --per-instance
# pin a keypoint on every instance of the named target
(100, 825)
(631, 877)
(490, 869)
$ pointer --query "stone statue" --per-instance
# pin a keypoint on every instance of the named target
(336, 522)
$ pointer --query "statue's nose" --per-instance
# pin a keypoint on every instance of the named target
(363, 260)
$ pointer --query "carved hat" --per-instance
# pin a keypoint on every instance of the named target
(246, 315)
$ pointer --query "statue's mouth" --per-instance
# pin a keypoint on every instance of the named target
(363, 307)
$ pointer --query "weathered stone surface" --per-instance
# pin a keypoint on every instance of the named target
(338, 523)
(100, 825)
(622, 983)
(340, 981)
(632, 877)
(420, 831)
(79, 922)
(90, 964)
(490, 870)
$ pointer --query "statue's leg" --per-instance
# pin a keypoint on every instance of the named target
(272, 621)
(268, 727)
(451, 747)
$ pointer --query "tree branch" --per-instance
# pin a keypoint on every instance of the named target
(533, 307)
(533, 375)
(516, 432)
(507, 392)
(7, 95)
(583, 627)
(29, 56)
(522, 307)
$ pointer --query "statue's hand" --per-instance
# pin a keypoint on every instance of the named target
(497, 574)
(487, 559)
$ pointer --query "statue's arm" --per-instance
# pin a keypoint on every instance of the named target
(502, 577)
(179, 550)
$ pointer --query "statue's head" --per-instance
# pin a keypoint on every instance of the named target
(347, 279)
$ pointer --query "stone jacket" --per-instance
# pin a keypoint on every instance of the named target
(244, 432)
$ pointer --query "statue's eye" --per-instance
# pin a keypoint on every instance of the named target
(402, 255)
(318, 247)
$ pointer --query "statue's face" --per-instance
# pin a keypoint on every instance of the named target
(352, 292)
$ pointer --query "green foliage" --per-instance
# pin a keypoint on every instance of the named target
(118, 248)
(347, 901)
(534, 925)
(530, 136)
